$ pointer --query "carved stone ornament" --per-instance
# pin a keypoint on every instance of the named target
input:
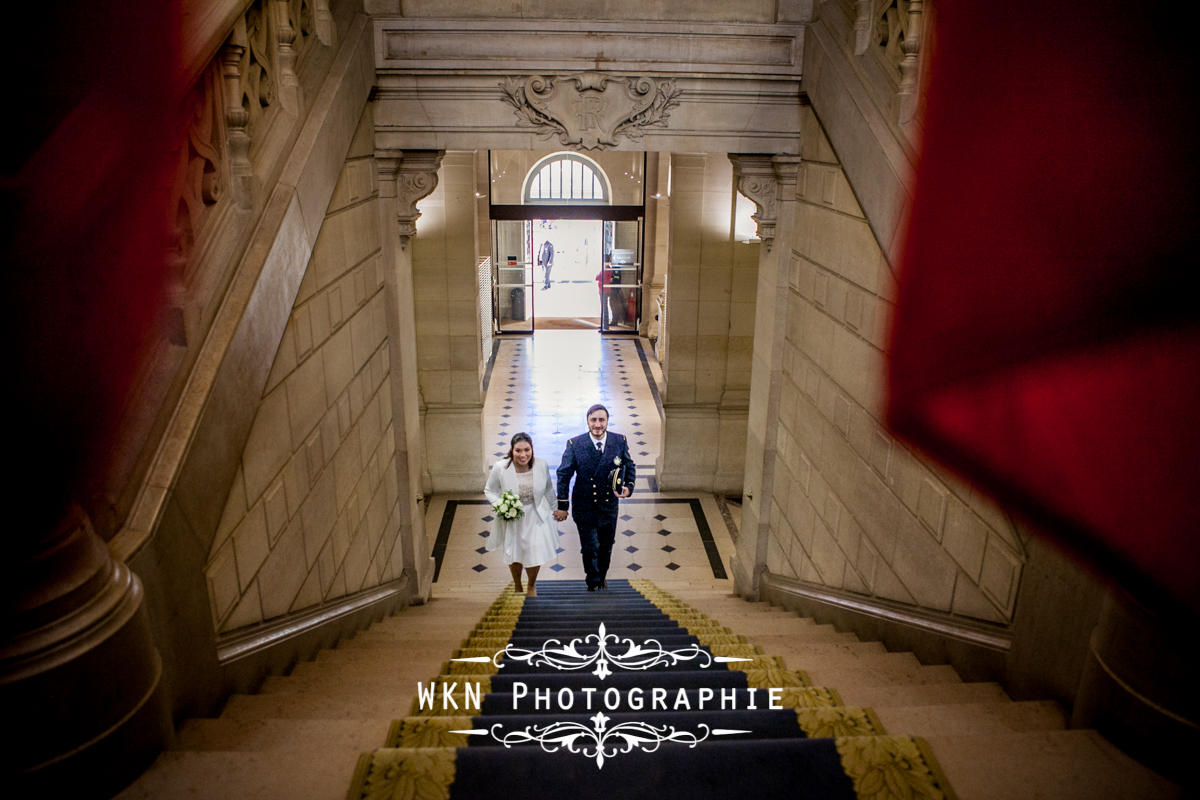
(589, 110)
(414, 174)
(756, 182)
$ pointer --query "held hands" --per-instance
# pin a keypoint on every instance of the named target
(560, 515)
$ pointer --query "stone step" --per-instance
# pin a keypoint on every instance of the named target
(391, 677)
(888, 674)
(281, 735)
(447, 605)
(834, 663)
(386, 652)
(1056, 765)
(457, 611)
(458, 631)
(973, 718)
(735, 607)
(770, 636)
(383, 669)
(302, 775)
(822, 633)
(352, 678)
(319, 705)
(431, 624)
(810, 649)
(369, 639)
(935, 694)
(438, 603)
(300, 736)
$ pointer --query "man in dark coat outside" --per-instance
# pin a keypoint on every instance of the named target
(545, 260)
(592, 459)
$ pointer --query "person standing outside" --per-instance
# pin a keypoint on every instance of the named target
(604, 473)
(545, 260)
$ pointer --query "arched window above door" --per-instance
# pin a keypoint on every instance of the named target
(564, 179)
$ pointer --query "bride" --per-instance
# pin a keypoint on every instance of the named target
(531, 540)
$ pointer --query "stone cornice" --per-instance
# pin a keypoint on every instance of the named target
(539, 46)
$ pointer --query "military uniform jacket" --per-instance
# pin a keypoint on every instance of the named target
(592, 500)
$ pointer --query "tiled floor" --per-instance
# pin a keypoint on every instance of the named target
(543, 385)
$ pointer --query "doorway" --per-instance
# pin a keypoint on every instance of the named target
(567, 261)
(567, 274)
(567, 233)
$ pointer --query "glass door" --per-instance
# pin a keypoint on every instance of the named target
(512, 265)
(621, 277)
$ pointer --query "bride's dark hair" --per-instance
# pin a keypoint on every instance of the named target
(520, 437)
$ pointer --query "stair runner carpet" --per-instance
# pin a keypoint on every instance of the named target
(629, 692)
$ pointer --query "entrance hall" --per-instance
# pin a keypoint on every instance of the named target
(543, 385)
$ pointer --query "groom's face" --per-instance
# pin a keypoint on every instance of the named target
(598, 423)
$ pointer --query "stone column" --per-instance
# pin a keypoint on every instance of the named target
(770, 182)
(404, 178)
(1138, 684)
(79, 673)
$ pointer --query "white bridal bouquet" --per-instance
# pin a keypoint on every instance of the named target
(509, 507)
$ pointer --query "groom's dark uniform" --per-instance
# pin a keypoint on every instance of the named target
(593, 504)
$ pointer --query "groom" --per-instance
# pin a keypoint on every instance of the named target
(592, 458)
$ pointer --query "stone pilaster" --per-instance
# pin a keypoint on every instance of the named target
(708, 334)
(405, 178)
(449, 354)
(770, 182)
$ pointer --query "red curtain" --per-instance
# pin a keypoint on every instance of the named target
(1045, 342)
(85, 175)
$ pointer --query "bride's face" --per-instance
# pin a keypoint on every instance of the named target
(522, 453)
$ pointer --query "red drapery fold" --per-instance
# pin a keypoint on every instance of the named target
(85, 178)
(1045, 343)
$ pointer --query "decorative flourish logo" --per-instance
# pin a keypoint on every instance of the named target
(599, 741)
(650, 653)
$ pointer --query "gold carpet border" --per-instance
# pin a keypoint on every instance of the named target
(706, 639)
(426, 731)
(732, 650)
(886, 767)
(404, 772)
(834, 721)
(879, 767)
(825, 722)
(506, 627)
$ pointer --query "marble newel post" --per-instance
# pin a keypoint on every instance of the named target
(79, 673)
(770, 182)
(404, 178)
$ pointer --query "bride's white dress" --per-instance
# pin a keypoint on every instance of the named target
(531, 540)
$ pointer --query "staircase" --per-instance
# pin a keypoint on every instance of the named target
(305, 735)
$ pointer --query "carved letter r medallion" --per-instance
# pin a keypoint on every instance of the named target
(590, 110)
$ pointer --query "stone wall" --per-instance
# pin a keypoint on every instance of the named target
(711, 282)
(312, 514)
(446, 305)
(854, 509)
